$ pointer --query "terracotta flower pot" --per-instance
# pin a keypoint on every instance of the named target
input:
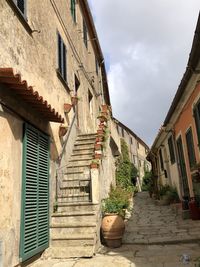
(62, 130)
(74, 100)
(100, 132)
(113, 229)
(105, 108)
(67, 107)
(97, 156)
(94, 166)
(97, 146)
(99, 139)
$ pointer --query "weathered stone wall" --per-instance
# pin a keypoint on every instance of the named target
(35, 56)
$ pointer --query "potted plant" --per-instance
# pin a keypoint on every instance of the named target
(74, 100)
(97, 146)
(113, 225)
(62, 130)
(103, 117)
(67, 107)
(94, 164)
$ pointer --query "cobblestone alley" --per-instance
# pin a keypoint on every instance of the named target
(155, 237)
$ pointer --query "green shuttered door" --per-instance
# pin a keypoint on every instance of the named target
(35, 193)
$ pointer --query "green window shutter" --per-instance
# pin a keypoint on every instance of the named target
(35, 193)
(197, 120)
(85, 34)
(171, 150)
(161, 160)
(190, 148)
(73, 10)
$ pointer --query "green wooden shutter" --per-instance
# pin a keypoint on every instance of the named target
(197, 121)
(35, 193)
(190, 148)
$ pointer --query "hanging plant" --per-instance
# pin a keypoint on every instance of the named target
(62, 130)
(94, 164)
(97, 146)
(67, 107)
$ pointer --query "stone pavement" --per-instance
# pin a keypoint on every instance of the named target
(154, 224)
(155, 237)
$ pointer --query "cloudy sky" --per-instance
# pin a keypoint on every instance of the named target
(146, 44)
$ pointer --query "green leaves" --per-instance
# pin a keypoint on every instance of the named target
(126, 172)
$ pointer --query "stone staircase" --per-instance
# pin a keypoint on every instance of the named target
(74, 226)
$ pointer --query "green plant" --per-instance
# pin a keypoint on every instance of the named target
(147, 182)
(117, 201)
(197, 260)
(126, 172)
(170, 192)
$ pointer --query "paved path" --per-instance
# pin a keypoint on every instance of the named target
(148, 233)
(154, 224)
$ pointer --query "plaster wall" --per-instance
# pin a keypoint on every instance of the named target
(35, 56)
(183, 123)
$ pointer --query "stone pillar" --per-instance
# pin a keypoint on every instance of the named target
(95, 185)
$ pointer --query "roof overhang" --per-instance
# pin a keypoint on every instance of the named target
(28, 95)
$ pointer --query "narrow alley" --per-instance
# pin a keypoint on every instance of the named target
(155, 236)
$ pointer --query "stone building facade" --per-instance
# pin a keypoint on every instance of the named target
(175, 151)
(49, 53)
(138, 150)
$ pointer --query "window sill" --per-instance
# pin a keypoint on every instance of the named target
(65, 84)
(20, 16)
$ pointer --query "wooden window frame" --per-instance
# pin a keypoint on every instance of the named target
(196, 115)
(62, 58)
(73, 10)
(85, 34)
(171, 150)
(190, 148)
(161, 160)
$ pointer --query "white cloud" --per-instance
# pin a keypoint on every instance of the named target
(148, 44)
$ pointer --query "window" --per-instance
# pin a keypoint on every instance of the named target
(140, 163)
(131, 140)
(138, 145)
(85, 34)
(21, 5)
(90, 96)
(97, 65)
(171, 150)
(62, 58)
(197, 120)
(34, 233)
(73, 10)
(190, 148)
(122, 132)
(161, 160)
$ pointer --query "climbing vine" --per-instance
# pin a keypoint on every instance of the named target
(126, 172)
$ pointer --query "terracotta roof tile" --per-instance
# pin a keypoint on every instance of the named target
(28, 95)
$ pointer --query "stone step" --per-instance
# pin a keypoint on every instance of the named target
(80, 159)
(78, 146)
(79, 164)
(75, 183)
(80, 156)
(86, 140)
(82, 136)
(83, 151)
(75, 197)
(76, 169)
(62, 250)
(61, 216)
(81, 207)
(66, 230)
